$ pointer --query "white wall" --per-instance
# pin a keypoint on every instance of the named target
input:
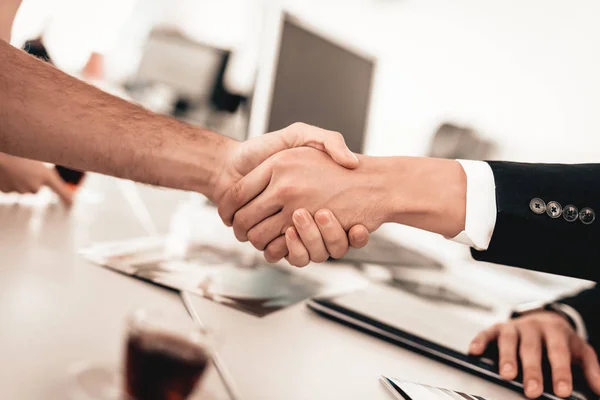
(524, 73)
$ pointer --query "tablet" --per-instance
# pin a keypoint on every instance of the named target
(428, 329)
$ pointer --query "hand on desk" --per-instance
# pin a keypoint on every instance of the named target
(27, 176)
(529, 333)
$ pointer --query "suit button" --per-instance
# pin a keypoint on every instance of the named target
(587, 215)
(537, 206)
(554, 209)
(570, 213)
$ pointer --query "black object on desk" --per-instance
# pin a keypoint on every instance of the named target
(485, 367)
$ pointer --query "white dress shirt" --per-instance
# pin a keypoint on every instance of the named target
(480, 221)
(481, 205)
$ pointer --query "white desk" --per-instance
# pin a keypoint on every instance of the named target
(57, 309)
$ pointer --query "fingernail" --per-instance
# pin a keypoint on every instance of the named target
(532, 387)
(507, 368)
(301, 219)
(563, 389)
(291, 232)
(324, 218)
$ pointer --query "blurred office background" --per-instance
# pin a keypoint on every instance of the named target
(468, 79)
(522, 75)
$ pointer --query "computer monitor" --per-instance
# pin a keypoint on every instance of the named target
(307, 76)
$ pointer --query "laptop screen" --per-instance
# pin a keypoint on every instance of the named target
(321, 84)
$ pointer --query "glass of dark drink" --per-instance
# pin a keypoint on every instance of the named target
(165, 358)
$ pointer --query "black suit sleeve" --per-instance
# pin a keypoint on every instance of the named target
(587, 303)
(525, 239)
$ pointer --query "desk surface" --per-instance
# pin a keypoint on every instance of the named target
(57, 309)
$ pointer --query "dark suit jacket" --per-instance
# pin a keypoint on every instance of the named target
(587, 303)
(525, 239)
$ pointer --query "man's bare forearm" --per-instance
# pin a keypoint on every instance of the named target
(49, 116)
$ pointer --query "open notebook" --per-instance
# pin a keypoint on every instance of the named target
(403, 390)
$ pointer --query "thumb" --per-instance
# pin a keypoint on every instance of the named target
(257, 150)
(332, 143)
(358, 236)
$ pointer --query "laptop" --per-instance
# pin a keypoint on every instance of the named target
(441, 332)
(307, 75)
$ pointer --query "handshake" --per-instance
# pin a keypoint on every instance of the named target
(277, 191)
(300, 193)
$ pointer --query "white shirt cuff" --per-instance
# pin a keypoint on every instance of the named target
(480, 219)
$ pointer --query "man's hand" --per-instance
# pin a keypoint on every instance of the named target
(243, 157)
(303, 178)
(530, 333)
(316, 239)
(27, 176)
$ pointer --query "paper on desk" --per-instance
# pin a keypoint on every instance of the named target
(224, 275)
(403, 390)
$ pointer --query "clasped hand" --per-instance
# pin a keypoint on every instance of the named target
(276, 191)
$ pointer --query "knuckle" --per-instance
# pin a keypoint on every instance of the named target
(337, 252)
(240, 221)
(299, 262)
(237, 194)
(561, 372)
(297, 126)
(276, 250)
(529, 357)
(337, 136)
(507, 333)
(320, 258)
(528, 323)
(273, 255)
(256, 238)
(240, 236)
(532, 371)
(558, 350)
(557, 324)
(270, 257)
(286, 191)
(224, 215)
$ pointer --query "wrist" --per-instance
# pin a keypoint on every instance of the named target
(221, 179)
(192, 160)
(427, 193)
(372, 183)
